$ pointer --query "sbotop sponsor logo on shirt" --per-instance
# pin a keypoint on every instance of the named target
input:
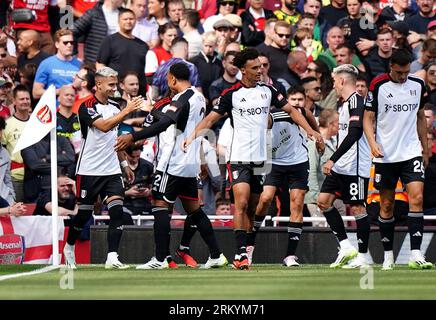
(11, 249)
(407, 107)
(253, 111)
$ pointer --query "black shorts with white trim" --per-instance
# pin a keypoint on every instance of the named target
(351, 189)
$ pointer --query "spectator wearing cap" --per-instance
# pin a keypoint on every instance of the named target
(427, 54)
(235, 31)
(209, 66)
(29, 47)
(224, 7)
(58, 69)
(253, 24)
(189, 23)
(399, 11)
(378, 59)
(222, 29)
(418, 23)
(5, 86)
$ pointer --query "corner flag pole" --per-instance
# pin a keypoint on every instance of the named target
(54, 195)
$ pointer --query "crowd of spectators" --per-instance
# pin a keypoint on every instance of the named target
(300, 42)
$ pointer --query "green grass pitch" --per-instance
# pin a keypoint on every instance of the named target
(262, 282)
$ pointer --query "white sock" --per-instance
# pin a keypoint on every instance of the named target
(389, 255)
(112, 255)
(416, 253)
(70, 247)
(345, 244)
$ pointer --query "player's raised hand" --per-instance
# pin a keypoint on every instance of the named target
(147, 104)
(134, 103)
(376, 151)
(123, 142)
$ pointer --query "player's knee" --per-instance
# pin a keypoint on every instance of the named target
(357, 209)
(416, 200)
(387, 205)
(265, 199)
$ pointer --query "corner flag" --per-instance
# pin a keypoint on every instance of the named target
(43, 121)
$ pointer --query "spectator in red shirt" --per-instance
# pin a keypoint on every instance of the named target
(45, 10)
(223, 209)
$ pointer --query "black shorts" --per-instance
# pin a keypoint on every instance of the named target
(386, 175)
(167, 187)
(245, 172)
(295, 176)
(351, 189)
(88, 188)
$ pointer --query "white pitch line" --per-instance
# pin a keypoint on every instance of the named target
(31, 273)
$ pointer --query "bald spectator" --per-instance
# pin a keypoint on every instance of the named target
(29, 48)
(46, 21)
(188, 24)
(297, 65)
(58, 69)
(67, 121)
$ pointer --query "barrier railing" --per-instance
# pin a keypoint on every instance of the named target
(275, 220)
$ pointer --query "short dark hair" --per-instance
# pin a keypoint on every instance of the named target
(192, 17)
(134, 147)
(180, 71)
(242, 57)
(308, 80)
(362, 76)
(2, 123)
(221, 202)
(401, 57)
(125, 10)
(129, 73)
(296, 89)
(163, 28)
(346, 45)
(21, 88)
(177, 40)
(230, 53)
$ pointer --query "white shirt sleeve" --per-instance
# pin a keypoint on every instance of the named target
(151, 63)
